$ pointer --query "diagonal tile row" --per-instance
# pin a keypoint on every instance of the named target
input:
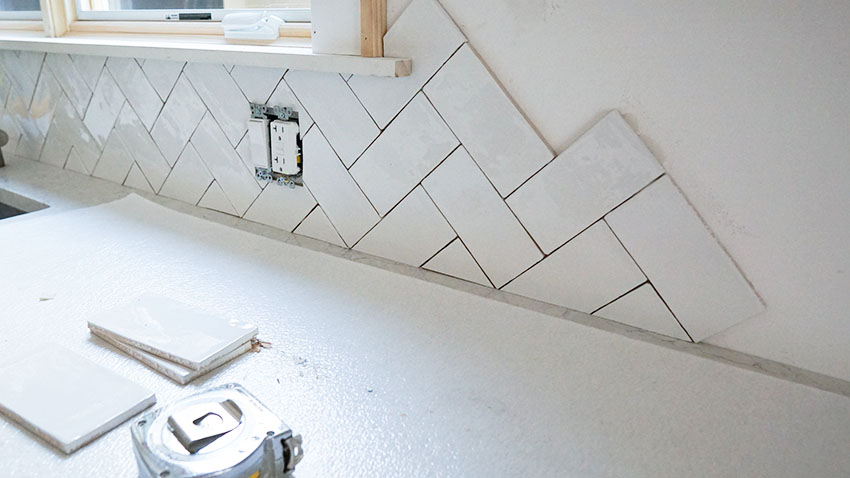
(438, 170)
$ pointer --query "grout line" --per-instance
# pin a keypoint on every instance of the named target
(619, 296)
(440, 249)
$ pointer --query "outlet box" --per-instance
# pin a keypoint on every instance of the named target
(284, 147)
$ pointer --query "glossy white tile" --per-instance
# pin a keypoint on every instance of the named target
(343, 202)
(74, 163)
(347, 126)
(72, 81)
(684, 262)
(173, 330)
(106, 103)
(318, 226)
(31, 62)
(424, 33)
(642, 308)
(136, 180)
(606, 166)
(47, 95)
(497, 136)
(135, 85)
(67, 400)
(66, 131)
(283, 96)
(281, 207)
(257, 83)
(585, 274)
(140, 145)
(115, 162)
(481, 218)
(413, 232)
(456, 261)
(230, 172)
(222, 97)
(23, 78)
(162, 75)
(89, 67)
(215, 199)
(189, 178)
(409, 149)
(178, 119)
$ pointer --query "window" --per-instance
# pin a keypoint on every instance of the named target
(199, 10)
(20, 10)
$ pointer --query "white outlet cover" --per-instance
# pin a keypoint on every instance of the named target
(67, 400)
(173, 330)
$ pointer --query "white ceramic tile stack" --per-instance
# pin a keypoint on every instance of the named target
(173, 338)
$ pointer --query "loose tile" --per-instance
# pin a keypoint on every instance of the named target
(318, 226)
(606, 166)
(173, 330)
(115, 162)
(456, 261)
(162, 75)
(334, 107)
(189, 178)
(71, 80)
(140, 145)
(332, 186)
(89, 67)
(178, 119)
(65, 399)
(481, 218)
(406, 152)
(642, 308)
(222, 97)
(136, 180)
(484, 118)
(215, 199)
(412, 233)
(106, 103)
(587, 273)
(257, 83)
(281, 207)
(424, 33)
(283, 96)
(684, 262)
(135, 85)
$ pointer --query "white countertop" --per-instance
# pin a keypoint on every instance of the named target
(385, 374)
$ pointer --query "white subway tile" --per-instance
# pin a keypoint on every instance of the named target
(89, 67)
(136, 180)
(162, 75)
(642, 308)
(222, 96)
(281, 207)
(115, 162)
(283, 96)
(135, 85)
(72, 81)
(179, 118)
(189, 178)
(140, 145)
(216, 200)
(456, 261)
(257, 83)
(106, 103)
(318, 226)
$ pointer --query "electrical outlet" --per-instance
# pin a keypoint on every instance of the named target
(284, 147)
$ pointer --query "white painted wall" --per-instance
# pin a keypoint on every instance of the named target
(747, 105)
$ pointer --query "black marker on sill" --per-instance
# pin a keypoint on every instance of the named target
(189, 16)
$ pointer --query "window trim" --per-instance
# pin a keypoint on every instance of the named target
(20, 15)
(299, 15)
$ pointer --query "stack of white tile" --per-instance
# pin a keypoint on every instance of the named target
(173, 338)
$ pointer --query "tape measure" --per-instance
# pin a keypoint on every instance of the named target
(223, 432)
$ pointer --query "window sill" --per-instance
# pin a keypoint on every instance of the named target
(291, 53)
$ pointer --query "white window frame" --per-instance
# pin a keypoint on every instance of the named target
(20, 15)
(300, 15)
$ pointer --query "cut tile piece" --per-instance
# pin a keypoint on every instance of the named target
(140, 145)
(178, 119)
(72, 81)
(317, 226)
(348, 127)
(412, 233)
(136, 180)
(89, 67)
(332, 186)
(67, 400)
(283, 96)
(587, 273)
(115, 162)
(456, 261)
(222, 96)
(66, 131)
(162, 75)
(642, 308)
(424, 33)
(481, 218)
(406, 152)
(74, 163)
(172, 370)
(135, 85)
(106, 103)
(189, 178)
(689, 269)
(497, 136)
(227, 168)
(257, 83)
(606, 166)
(215, 199)
(23, 79)
(281, 207)
(173, 330)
